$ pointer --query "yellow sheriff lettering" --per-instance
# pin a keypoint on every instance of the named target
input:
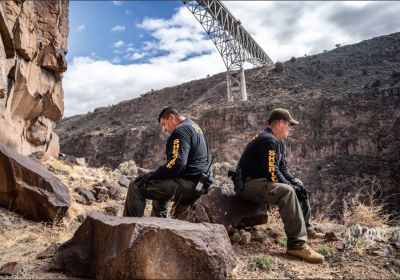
(175, 153)
(271, 165)
(197, 128)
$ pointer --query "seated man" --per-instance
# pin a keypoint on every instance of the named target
(187, 159)
(267, 180)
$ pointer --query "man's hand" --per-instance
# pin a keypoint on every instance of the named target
(144, 178)
(301, 192)
(297, 182)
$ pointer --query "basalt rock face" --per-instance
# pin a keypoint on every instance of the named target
(33, 45)
(347, 101)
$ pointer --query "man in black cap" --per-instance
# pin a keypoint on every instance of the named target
(266, 179)
(185, 175)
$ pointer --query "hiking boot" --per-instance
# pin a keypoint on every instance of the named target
(306, 254)
(312, 234)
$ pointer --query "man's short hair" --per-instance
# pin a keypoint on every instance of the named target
(281, 114)
(167, 111)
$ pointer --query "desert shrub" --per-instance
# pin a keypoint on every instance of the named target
(262, 262)
(366, 207)
(116, 122)
(128, 168)
(339, 72)
(325, 250)
(376, 83)
(279, 67)
(282, 242)
(293, 59)
(395, 74)
(364, 72)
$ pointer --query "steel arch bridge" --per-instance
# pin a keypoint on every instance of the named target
(232, 41)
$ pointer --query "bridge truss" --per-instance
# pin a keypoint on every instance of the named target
(232, 41)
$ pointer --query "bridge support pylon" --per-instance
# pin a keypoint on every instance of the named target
(236, 85)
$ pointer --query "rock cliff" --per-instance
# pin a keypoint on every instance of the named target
(33, 45)
(347, 101)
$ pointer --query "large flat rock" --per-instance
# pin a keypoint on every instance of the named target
(222, 206)
(26, 187)
(107, 247)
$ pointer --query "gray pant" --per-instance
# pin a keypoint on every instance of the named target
(282, 195)
(161, 192)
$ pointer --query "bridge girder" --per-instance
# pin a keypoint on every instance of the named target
(233, 42)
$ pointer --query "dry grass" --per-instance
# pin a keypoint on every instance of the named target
(365, 207)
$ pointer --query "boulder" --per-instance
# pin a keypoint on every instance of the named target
(222, 206)
(88, 197)
(29, 189)
(106, 247)
(10, 268)
(123, 181)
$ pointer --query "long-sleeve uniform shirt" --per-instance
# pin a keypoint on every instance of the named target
(187, 153)
(264, 157)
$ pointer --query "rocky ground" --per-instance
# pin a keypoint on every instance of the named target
(353, 250)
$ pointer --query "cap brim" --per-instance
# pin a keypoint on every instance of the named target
(293, 122)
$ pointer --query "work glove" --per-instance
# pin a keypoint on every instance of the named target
(296, 181)
(144, 178)
(301, 192)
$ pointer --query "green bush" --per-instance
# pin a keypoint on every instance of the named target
(293, 59)
(262, 262)
(325, 250)
(282, 241)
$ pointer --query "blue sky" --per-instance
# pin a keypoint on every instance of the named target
(96, 27)
(118, 50)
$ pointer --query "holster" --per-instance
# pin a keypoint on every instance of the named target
(237, 180)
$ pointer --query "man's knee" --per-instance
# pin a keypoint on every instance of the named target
(134, 190)
(284, 189)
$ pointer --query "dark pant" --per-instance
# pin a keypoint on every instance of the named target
(161, 192)
(290, 210)
(306, 209)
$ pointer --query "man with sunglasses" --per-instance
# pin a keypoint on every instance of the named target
(266, 179)
(185, 175)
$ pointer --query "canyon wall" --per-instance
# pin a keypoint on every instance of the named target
(33, 45)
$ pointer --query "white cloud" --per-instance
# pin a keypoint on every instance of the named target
(89, 85)
(291, 28)
(180, 37)
(117, 3)
(80, 28)
(118, 44)
(130, 49)
(116, 60)
(118, 28)
(136, 56)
